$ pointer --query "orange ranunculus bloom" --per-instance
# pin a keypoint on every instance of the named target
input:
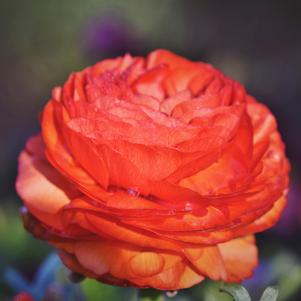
(154, 172)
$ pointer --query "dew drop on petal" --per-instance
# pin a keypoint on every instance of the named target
(76, 277)
(188, 206)
(23, 210)
(171, 294)
(133, 192)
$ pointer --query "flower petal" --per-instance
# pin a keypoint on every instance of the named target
(240, 258)
(41, 186)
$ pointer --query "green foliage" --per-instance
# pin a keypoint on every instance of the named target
(151, 295)
(237, 291)
(287, 272)
(290, 284)
(209, 291)
(94, 290)
(18, 248)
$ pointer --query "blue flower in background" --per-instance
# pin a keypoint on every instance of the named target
(49, 281)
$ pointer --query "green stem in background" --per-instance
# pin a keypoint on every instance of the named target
(149, 294)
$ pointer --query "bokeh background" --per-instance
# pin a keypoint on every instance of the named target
(256, 42)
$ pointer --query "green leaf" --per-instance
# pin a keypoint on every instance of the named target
(150, 295)
(270, 294)
(95, 290)
(209, 290)
(237, 291)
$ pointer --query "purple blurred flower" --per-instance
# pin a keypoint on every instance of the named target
(110, 36)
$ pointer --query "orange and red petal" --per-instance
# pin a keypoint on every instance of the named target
(240, 258)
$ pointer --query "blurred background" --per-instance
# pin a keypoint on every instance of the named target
(255, 42)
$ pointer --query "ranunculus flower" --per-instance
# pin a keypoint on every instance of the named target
(154, 172)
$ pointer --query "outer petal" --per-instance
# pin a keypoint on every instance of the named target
(143, 268)
(42, 188)
(267, 220)
(240, 258)
(103, 225)
(177, 277)
(56, 150)
(208, 261)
